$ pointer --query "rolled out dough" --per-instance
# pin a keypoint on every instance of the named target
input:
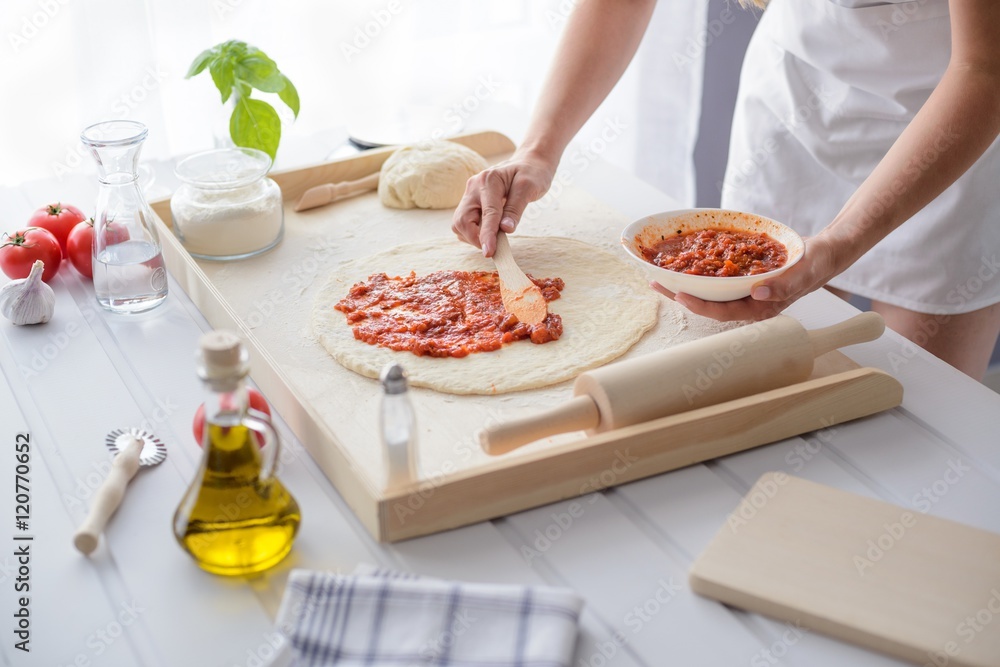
(606, 308)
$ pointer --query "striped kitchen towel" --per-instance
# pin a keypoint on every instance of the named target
(380, 618)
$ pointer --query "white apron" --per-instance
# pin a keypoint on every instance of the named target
(826, 88)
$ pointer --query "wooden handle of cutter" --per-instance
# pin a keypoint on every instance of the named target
(108, 497)
(578, 414)
(859, 329)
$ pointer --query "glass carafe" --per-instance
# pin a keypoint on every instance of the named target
(129, 275)
(236, 518)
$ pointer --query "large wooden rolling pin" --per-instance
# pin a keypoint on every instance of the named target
(722, 367)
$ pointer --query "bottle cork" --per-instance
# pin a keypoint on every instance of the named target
(222, 356)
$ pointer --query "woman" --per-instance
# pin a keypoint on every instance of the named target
(852, 119)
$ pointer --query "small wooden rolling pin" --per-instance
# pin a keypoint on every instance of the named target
(718, 368)
(321, 195)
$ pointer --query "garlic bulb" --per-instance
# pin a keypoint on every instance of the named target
(28, 300)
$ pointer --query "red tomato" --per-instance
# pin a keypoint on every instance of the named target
(58, 219)
(257, 402)
(80, 244)
(20, 250)
(80, 247)
(114, 233)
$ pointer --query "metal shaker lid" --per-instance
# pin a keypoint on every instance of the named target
(393, 379)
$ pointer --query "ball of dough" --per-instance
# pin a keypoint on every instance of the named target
(428, 175)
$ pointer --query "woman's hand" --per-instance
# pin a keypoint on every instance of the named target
(769, 297)
(496, 198)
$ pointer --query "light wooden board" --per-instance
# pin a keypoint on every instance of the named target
(334, 411)
(915, 586)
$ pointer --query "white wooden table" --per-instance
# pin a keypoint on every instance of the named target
(141, 601)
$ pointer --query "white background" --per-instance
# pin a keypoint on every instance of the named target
(67, 63)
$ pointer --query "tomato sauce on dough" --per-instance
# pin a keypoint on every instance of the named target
(716, 252)
(443, 314)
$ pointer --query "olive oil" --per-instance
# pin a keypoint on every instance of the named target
(236, 517)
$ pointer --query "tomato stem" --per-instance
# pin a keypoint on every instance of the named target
(19, 239)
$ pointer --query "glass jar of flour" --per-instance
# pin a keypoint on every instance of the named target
(227, 208)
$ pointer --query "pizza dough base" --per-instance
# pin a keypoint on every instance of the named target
(428, 175)
(606, 308)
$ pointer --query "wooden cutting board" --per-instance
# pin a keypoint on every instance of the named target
(914, 586)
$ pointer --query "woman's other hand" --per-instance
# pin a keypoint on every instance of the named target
(769, 297)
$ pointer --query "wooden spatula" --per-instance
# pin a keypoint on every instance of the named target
(521, 297)
(321, 195)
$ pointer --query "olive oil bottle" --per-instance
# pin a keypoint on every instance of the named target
(236, 518)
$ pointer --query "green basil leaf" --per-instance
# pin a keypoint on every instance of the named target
(255, 124)
(200, 63)
(234, 47)
(222, 74)
(260, 72)
(289, 95)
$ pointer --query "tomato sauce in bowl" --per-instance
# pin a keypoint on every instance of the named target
(715, 252)
(711, 253)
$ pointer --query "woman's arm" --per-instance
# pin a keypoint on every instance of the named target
(599, 41)
(956, 125)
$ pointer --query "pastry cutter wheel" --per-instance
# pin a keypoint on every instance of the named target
(131, 448)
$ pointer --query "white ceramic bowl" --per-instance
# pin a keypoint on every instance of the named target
(710, 288)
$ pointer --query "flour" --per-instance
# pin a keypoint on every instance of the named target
(228, 222)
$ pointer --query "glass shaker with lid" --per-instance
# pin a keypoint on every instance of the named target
(226, 207)
(129, 275)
